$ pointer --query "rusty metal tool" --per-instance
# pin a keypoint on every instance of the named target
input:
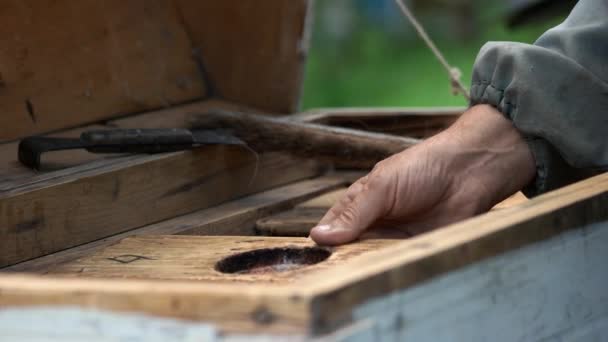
(124, 141)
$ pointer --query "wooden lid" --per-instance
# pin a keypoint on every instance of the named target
(69, 63)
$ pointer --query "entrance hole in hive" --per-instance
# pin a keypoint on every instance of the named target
(270, 260)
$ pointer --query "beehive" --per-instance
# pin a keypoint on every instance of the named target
(176, 245)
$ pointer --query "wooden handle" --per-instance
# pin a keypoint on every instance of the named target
(346, 148)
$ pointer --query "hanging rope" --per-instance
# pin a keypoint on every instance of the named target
(453, 72)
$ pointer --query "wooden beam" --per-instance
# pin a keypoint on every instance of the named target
(236, 217)
(61, 209)
(67, 63)
(252, 52)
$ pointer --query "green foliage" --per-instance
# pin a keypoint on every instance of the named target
(374, 68)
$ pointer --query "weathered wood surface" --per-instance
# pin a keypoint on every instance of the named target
(552, 291)
(172, 257)
(67, 63)
(237, 217)
(230, 307)
(77, 325)
(300, 220)
(295, 222)
(411, 122)
(326, 299)
(251, 52)
(326, 200)
(411, 262)
(51, 211)
(343, 147)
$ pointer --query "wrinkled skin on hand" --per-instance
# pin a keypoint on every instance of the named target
(459, 173)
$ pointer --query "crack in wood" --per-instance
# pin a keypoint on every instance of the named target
(29, 106)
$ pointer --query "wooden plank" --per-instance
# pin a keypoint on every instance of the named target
(410, 121)
(552, 291)
(421, 258)
(296, 222)
(236, 217)
(300, 220)
(252, 52)
(514, 200)
(75, 324)
(54, 211)
(326, 299)
(324, 201)
(231, 307)
(67, 63)
(172, 257)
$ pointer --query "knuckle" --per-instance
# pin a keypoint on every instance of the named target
(378, 166)
(346, 199)
(378, 181)
(349, 216)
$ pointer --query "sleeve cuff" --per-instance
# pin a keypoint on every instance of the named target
(552, 171)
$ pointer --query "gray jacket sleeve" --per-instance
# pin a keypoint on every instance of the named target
(556, 93)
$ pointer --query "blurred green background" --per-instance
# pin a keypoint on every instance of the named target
(364, 53)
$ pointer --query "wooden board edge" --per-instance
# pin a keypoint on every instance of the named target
(230, 307)
(421, 258)
(39, 219)
(240, 214)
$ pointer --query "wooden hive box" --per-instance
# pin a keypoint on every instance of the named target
(198, 245)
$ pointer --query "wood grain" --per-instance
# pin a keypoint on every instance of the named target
(251, 52)
(421, 258)
(324, 201)
(237, 217)
(171, 257)
(61, 209)
(295, 222)
(230, 307)
(326, 299)
(300, 220)
(66, 63)
(340, 146)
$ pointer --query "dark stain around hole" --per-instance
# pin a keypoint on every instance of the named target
(30, 110)
(271, 260)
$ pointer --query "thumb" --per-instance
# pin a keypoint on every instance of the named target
(354, 218)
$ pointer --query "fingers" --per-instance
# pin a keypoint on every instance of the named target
(348, 197)
(363, 204)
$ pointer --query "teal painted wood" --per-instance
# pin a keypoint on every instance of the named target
(59, 324)
(555, 290)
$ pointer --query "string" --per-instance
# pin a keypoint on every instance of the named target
(453, 72)
(256, 166)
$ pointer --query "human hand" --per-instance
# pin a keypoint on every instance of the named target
(463, 171)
